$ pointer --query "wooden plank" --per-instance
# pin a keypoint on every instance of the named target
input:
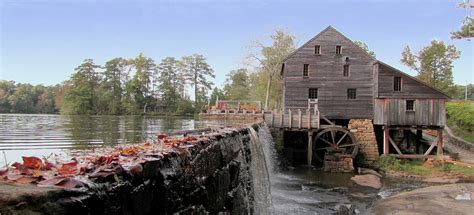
(386, 136)
(299, 118)
(290, 118)
(410, 156)
(395, 146)
(431, 147)
(439, 150)
(310, 148)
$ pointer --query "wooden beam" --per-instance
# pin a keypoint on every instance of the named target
(439, 150)
(386, 137)
(308, 112)
(422, 156)
(327, 120)
(395, 145)
(419, 136)
(310, 148)
(271, 119)
(299, 118)
(290, 118)
(435, 142)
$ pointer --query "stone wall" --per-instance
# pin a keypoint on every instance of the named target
(249, 117)
(211, 177)
(338, 162)
(363, 131)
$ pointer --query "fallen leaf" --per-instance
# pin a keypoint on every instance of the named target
(20, 167)
(25, 180)
(162, 136)
(32, 162)
(69, 169)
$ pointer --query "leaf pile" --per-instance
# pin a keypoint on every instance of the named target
(104, 164)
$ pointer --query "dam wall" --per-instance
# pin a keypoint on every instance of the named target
(217, 174)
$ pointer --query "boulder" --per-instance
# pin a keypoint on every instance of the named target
(367, 180)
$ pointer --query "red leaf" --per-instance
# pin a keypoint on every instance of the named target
(69, 169)
(32, 162)
(162, 136)
(47, 165)
(3, 171)
(64, 182)
(20, 167)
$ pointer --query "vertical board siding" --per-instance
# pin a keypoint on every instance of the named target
(428, 112)
(410, 87)
(326, 74)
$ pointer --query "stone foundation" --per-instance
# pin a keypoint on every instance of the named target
(363, 131)
(338, 162)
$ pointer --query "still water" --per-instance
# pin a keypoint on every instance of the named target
(41, 135)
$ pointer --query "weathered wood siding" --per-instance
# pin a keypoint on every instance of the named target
(427, 112)
(411, 88)
(326, 74)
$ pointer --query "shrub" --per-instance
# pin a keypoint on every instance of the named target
(461, 114)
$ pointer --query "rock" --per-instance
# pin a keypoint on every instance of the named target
(432, 200)
(464, 196)
(367, 180)
(361, 170)
(441, 180)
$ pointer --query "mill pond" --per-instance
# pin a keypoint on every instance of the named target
(293, 188)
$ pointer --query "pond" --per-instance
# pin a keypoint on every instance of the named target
(41, 135)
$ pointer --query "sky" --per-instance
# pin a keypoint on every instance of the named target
(42, 41)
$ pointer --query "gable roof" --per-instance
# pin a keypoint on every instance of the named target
(413, 78)
(318, 35)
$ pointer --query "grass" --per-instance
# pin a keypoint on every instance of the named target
(461, 119)
(416, 167)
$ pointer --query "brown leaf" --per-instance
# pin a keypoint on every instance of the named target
(162, 136)
(20, 167)
(25, 179)
(63, 182)
(69, 169)
(51, 182)
(32, 162)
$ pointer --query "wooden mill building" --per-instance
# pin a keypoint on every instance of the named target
(383, 107)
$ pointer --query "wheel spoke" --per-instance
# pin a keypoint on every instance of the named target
(333, 137)
(326, 141)
(343, 136)
(346, 145)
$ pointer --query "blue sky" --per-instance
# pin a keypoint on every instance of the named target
(42, 41)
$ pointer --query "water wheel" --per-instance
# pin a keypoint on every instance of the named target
(334, 139)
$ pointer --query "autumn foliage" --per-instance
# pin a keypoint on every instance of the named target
(87, 167)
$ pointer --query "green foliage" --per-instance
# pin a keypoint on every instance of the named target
(238, 85)
(434, 64)
(196, 70)
(217, 94)
(365, 47)
(461, 114)
(170, 83)
(466, 31)
(391, 163)
(185, 107)
(26, 98)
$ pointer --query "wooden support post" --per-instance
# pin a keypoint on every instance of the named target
(290, 118)
(439, 150)
(386, 138)
(310, 147)
(299, 118)
(308, 112)
(419, 136)
(271, 120)
(281, 119)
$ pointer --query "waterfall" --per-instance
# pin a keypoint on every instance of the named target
(262, 164)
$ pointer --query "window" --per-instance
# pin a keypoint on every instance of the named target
(410, 105)
(397, 84)
(346, 70)
(313, 93)
(305, 70)
(351, 93)
(317, 49)
(338, 49)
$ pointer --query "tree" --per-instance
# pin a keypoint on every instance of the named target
(45, 100)
(114, 77)
(365, 47)
(467, 28)
(434, 64)
(169, 82)
(7, 88)
(238, 85)
(217, 94)
(23, 100)
(139, 89)
(270, 58)
(198, 72)
(81, 97)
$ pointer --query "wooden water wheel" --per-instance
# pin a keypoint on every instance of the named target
(334, 139)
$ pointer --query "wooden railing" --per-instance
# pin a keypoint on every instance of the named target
(293, 119)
